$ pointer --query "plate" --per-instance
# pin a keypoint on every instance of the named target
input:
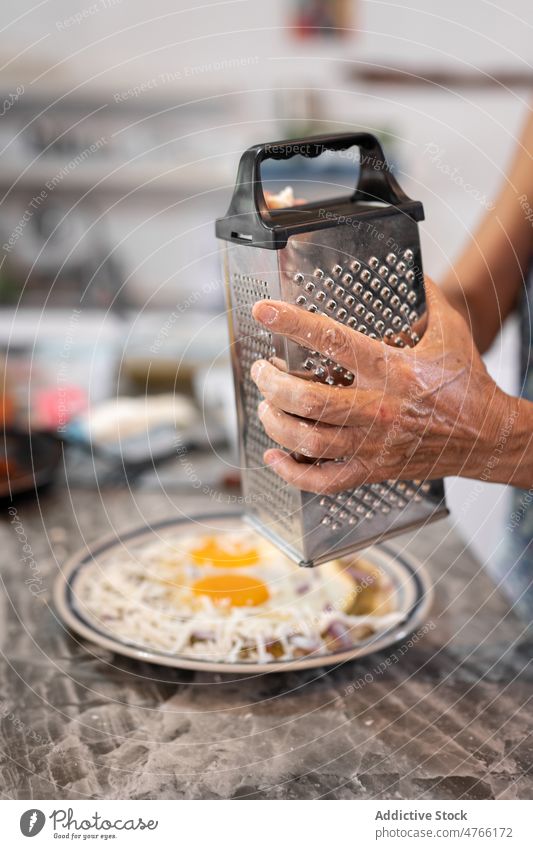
(412, 594)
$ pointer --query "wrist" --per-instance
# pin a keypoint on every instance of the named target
(505, 452)
(518, 461)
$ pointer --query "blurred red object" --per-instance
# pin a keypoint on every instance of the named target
(54, 408)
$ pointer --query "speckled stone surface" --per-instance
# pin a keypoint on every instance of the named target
(449, 719)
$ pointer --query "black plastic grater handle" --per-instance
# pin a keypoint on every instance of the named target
(249, 220)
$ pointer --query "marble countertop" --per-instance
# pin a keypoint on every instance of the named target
(447, 720)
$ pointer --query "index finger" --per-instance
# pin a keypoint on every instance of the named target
(345, 346)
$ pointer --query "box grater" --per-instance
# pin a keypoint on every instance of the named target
(358, 260)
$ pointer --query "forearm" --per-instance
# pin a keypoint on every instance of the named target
(484, 283)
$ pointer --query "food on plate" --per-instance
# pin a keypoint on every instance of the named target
(231, 596)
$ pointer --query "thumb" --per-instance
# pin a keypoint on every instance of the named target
(437, 310)
(435, 298)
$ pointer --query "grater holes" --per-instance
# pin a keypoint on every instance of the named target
(255, 343)
(375, 302)
(364, 503)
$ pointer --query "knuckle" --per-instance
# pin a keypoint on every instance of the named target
(334, 342)
(311, 402)
(381, 366)
(313, 445)
(293, 318)
(347, 443)
(330, 486)
(404, 370)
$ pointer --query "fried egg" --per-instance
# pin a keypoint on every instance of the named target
(230, 570)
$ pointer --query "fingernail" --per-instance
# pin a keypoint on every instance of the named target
(265, 313)
(271, 457)
(255, 370)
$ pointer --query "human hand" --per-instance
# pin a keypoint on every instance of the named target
(422, 412)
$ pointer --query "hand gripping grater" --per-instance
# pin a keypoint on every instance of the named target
(358, 260)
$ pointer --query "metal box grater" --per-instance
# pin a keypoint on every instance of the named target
(356, 259)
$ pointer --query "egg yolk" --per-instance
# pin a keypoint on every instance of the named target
(239, 590)
(211, 553)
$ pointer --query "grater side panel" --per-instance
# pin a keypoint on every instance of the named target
(354, 519)
(377, 289)
(271, 505)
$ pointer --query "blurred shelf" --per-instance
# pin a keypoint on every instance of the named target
(118, 176)
(377, 74)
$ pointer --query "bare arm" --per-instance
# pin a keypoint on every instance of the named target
(485, 282)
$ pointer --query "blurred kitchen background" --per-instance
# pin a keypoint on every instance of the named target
(121, 127)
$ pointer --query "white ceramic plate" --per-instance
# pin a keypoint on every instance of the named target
(412, 595)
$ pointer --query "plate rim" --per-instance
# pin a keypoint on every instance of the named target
(62, 590)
